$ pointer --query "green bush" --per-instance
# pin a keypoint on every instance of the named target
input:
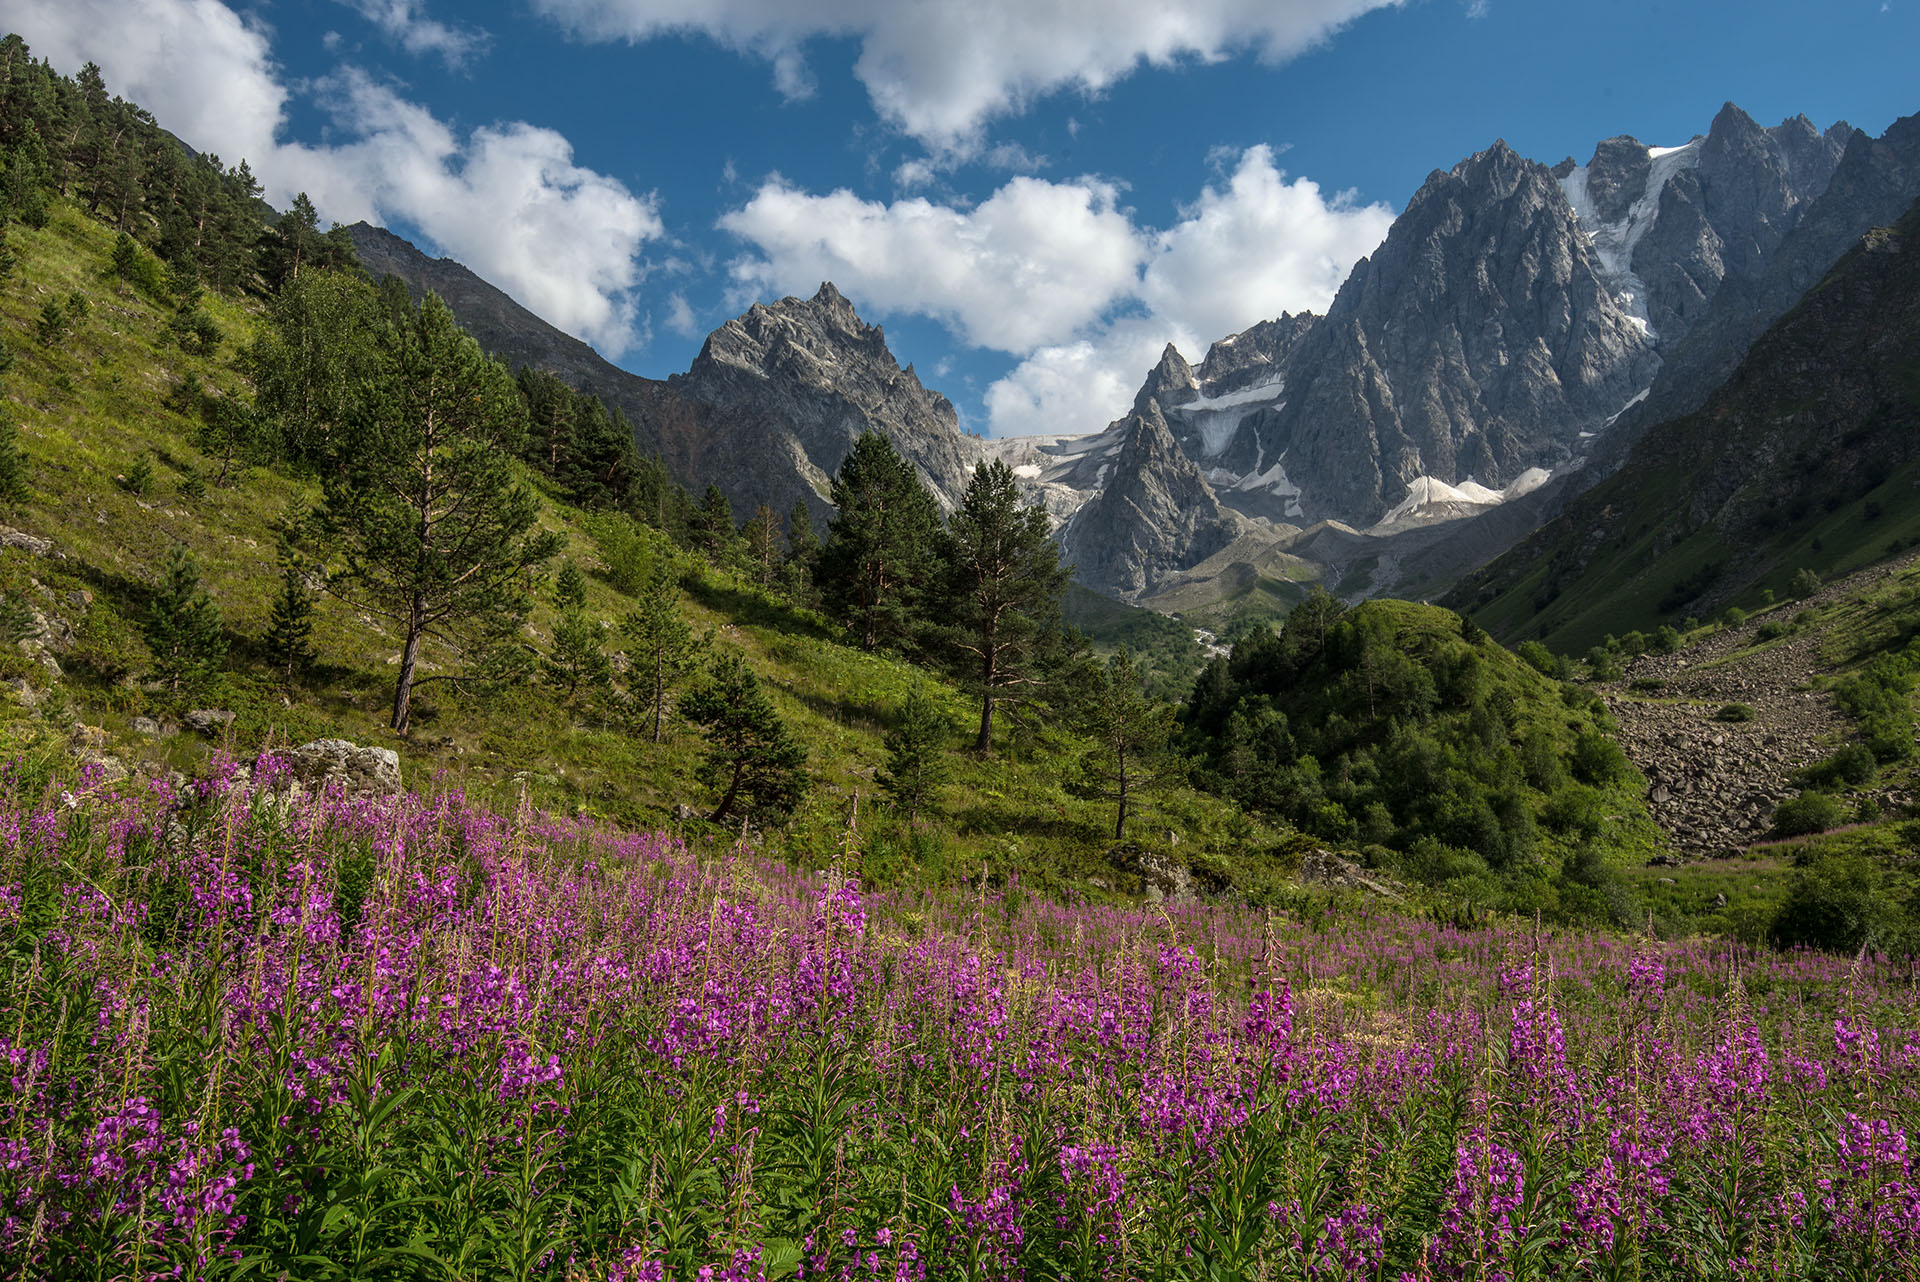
(1734, 712)
(1805, 583)
(1838, 903)
(1772, 630)
(1810, 812)
(1851, 766)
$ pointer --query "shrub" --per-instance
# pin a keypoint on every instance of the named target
(1598, 760)
(1810, 812)
(1734, 713)
(1772, 630)
(1538, 657)
(1851, 766)
(1836, 903)
(1804, 584)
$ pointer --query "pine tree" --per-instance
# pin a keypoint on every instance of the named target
(1129, 733)
(762, 538)
(916, 755)
(435, 531)
(290, 630)
(752, 758)
(183, 627)
(713, 531)
(309, 364)
(803, 551)
(577, 659)
(880, 546)
(570, 587)
(1004, 585)
(663, 648)
(13, 467)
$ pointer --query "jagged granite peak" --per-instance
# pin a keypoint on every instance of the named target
(1819, 416)
(1476, 343)
(814, 367)
(1872, 183)
(1617, 176)
(1726, 203)
(1156, 515)
(1170, 382)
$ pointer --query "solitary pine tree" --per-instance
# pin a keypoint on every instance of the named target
(1129, 733)
(752, 758)
(577, 659)
(570, 587)
(436, 533)
(803, 550)
(290, 630)
(1004, 585)
(183, 627)
(916, 755)
(881, 545)
(762, 538)
(663, 648)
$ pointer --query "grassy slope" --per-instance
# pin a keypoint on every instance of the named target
(90, 407)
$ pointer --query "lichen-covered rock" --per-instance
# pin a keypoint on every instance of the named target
(353, 768)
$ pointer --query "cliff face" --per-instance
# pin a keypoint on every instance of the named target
(1793, 461)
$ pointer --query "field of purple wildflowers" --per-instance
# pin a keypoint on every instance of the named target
(249, 1036)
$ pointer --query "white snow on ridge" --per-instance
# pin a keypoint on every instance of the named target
(1217, 418)
(1613, 243)
(1426, 491)
(1252, 395)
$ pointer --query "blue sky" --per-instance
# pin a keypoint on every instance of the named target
(1032, 195)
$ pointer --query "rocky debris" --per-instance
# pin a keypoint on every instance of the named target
(357, 771)
(31, 543)
(683, 813)
(1324, 868)
(208, 720)
(147, 726)
(1712, 784)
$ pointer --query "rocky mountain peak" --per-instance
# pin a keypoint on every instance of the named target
(1170, 382)
(1617, 176)
(1156, 516)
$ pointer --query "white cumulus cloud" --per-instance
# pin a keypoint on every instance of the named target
(506, 199)
(407, 24)
(1061, 276)
(939, 69)
(1028, 266)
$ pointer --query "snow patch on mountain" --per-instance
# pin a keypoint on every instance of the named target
(1429, 496)
(1613, 243)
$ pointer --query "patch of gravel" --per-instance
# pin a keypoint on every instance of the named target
(1711, 784)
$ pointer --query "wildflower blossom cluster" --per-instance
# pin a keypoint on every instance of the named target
(411, 1037)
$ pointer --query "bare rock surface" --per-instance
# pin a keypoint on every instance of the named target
(1713, 784)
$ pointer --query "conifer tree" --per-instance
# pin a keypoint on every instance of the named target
(183, 626)
(290, 629)
(752, 759)
(663, 648)
(762, 538)
(1004, 584)
(570, 587)
(713, 531)
(1129, 733)
(803, 550)
(880, 546)
(916, 755)
(435, 531)
(577, 659)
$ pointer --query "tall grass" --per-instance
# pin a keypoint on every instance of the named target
(260, 1034)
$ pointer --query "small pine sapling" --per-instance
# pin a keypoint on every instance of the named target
(183, 627)
(916, 756)
(290, 630)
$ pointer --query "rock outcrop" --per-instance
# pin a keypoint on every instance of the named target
(356, 770)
